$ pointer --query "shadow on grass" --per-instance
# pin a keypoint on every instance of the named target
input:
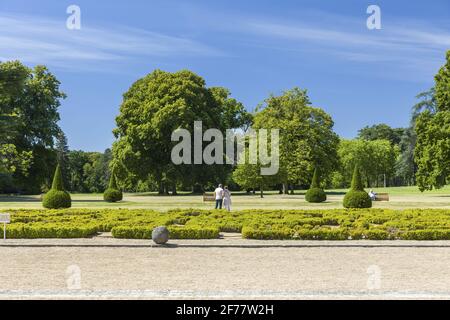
(89, 201)
(335, 193)
(19, 199)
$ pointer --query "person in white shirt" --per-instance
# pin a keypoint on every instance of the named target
(372, 195)
(219, 196)
(227, 199)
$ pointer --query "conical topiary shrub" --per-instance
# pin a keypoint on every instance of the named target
(315, 193)
(112, 194)
(57, 197)
(357, 197)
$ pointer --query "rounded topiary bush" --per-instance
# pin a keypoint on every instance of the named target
(112, 194)
(357, 197)
(57, 197)
(315, 195)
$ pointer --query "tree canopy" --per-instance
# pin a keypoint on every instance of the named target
(307, 139)
(432, 153)
(29, 102)
(152, 109)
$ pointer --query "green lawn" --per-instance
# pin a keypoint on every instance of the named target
(401, 198)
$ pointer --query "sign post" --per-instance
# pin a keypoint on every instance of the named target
(5, 218)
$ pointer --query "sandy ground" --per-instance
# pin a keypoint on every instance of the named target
(109, 268)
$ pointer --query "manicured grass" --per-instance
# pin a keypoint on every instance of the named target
(400, 198)
(338, 224)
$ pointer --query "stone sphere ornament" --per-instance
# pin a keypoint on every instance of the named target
(160, 235)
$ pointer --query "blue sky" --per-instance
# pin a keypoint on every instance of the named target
(254, 48)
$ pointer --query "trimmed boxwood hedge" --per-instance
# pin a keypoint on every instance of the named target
(112, 194)
(57, 197)
(334, 224)
(60, 231)
(142, 232)
(315, 194)
(357, 197)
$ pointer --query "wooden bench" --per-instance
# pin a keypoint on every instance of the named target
(382, 197)
(209, 197)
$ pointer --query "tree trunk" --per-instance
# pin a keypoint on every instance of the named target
(161, 188)
(285, 188)
(174, 189)
(261, 191)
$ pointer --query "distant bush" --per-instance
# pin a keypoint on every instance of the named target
(57, 197)
(112, 194)
(315, 194)
(357, 197)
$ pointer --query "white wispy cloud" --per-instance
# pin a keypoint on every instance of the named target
(47, 41)
(392, 43)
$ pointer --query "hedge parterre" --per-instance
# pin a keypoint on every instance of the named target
(339, 224)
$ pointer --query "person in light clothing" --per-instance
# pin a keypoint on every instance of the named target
(372, 195)
(219, 196)
(227, 199)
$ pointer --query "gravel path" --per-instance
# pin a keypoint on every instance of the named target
(226, 268)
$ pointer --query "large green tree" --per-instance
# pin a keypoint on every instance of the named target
(376, 160)
(29, 102)
(307, 139)
(381, 132)
(432, 153)
(156, 106)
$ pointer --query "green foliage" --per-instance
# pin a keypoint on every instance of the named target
(89, 171)
(56, 199)
(29, 102)
(357, 184)
(113, 194)
(342, 224)
(248, 176)
(11, 160)
(357, 197)
(153, 108)
(137, 232)
(432, 153)
(315, 195)
(307, 138)
(58, 183)
(113, 182)
(442, 87)
(381, 132)
(375, 158)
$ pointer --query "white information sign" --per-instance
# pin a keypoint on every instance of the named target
(5, 218)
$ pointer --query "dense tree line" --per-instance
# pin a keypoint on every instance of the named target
(155, 106)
